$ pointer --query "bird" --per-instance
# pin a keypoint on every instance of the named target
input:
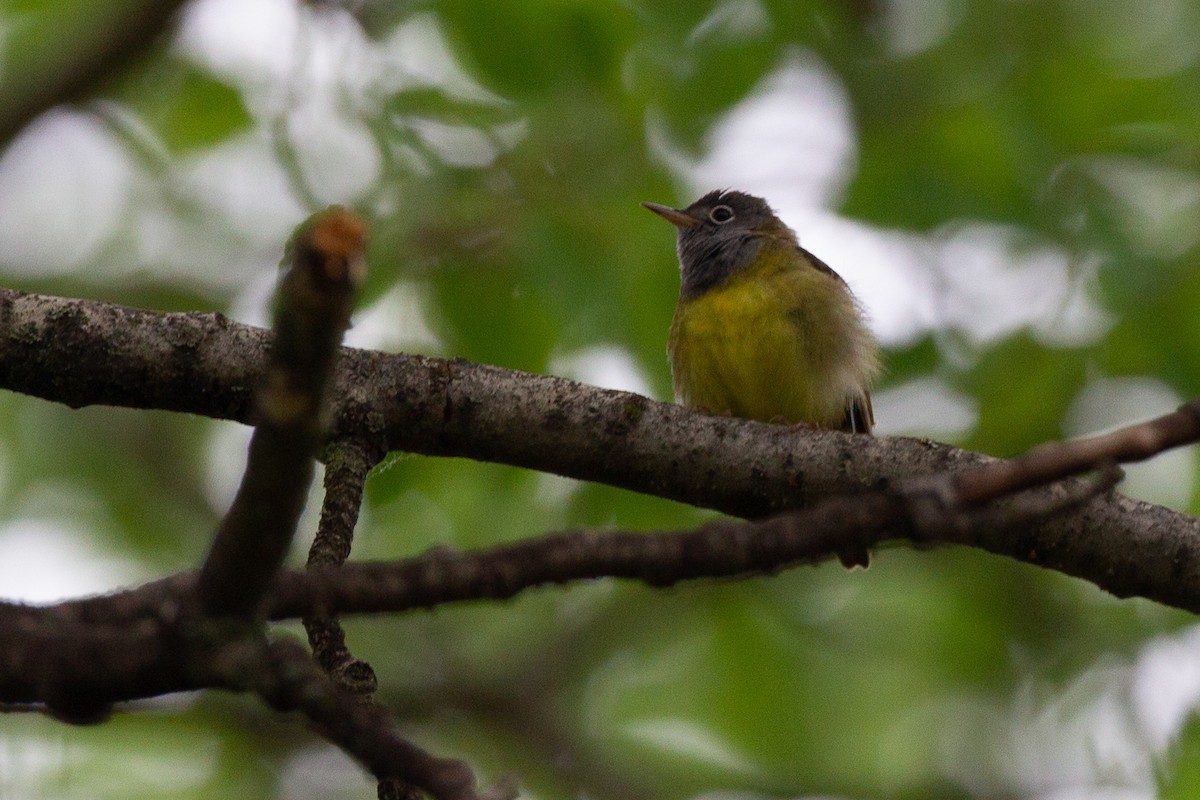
(763, 329)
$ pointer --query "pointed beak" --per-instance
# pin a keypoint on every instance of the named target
(679, 219)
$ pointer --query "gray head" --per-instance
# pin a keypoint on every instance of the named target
(720, 234)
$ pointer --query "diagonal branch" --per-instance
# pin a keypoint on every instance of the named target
(207, 631)
(718, 549)
(365, 730)
(1056, 460)
(315, 300)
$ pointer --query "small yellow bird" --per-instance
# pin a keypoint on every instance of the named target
(764, 329)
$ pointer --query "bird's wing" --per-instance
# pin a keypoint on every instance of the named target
(860, 417)
(821, 266)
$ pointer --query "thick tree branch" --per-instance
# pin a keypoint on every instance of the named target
(54, 655)
(79, 670)
(81, 352)
(937, 508)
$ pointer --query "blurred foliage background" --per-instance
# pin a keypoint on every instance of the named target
(1011, 187)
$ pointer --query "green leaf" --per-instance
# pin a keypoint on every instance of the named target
(1179, 774)
(558, 43)
(186, 107)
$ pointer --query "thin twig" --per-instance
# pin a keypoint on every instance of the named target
(346, 471)
(1056, 460)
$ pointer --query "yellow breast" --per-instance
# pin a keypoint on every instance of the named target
(775, 341)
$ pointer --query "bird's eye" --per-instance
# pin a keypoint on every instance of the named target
(721, 214)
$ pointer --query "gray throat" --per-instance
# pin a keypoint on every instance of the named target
(707, 258)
